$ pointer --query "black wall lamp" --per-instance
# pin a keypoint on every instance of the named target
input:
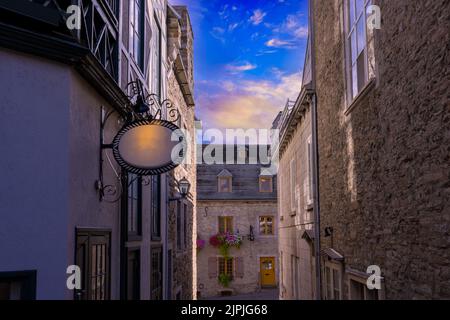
(251, 236)
(184, 186)
(328, 231)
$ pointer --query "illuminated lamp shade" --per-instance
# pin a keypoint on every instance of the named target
(149, 147)
(184, 186)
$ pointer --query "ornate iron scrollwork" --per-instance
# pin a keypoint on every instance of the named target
(164, 111)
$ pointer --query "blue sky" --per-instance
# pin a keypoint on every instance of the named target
(248, 59)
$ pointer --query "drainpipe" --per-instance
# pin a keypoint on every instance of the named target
(315, 154)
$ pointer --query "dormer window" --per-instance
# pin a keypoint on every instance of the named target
(225, 181)
(265, 184)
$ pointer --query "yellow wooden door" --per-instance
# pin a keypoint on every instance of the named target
(267, 269)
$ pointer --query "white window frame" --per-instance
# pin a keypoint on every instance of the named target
(363, 280)
(137, 31)
(309, 177)
(293, 185)
(295, 274)
(351, 62)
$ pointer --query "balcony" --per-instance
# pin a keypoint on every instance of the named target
(47, 19)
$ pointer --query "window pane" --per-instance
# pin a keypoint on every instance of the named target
(229, 224)
(352, 11)
(359, 7)
(354, 81)
(221, 265)
(262, 225)
(224, 185)
(222, 226)
(328, 282)
(336, 285)
(265, 184)
(361, 35)
(269, 226)
(353, 46)
(361, 66)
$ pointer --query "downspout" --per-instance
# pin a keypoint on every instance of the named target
(316, 197)
(166, 240)
(315, 154)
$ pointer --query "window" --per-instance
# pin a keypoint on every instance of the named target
(134, 275)
(332, 283)
(265, 184)
(19, 285)
(94, 259)
(266, 226)
(134, 206)
(309, 184)
(157, 273)
(158, 58)
(292, 186)
(359, 291)
(225, 184)
(156, 207)
(281, 271)
(225, 225)
(295, 277)
(226, 266)
(358, 47)
(137, 31)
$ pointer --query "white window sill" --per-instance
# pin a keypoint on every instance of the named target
(367, 88)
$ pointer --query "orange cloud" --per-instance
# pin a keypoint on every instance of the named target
(247, 104)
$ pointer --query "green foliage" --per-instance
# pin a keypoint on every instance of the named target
(224, 280)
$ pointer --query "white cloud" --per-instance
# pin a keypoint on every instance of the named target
(217, 33)
(257, 17)
(264, 52)
(278, 43)
(292, 26)
(301, 32)
(241, 67)
(233, 26)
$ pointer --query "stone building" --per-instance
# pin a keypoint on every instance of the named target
(182, 222)
(65, 95)
(383, 137)
(295, 193)
(238, 199)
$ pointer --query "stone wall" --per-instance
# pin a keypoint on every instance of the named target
(244, 213)
(183, 259)
(384, 165)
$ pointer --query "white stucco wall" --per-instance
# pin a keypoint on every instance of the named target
(85, 208)
(34, 98)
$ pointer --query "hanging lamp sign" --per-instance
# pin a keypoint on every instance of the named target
(149, 147)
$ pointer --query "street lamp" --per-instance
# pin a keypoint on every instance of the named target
(183, 189)
(251, 236)
(184, 186)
